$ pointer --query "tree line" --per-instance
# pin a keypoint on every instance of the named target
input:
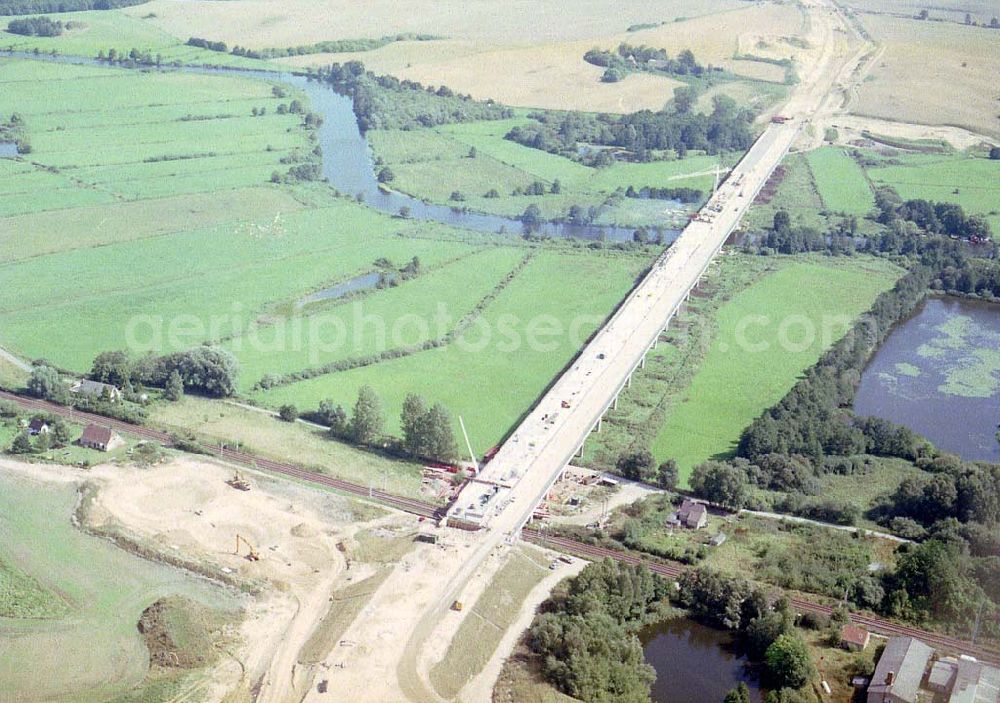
(37, 27)
(31, 7)
(386, 102)
(680, 129)
(627, 58)
(928, 216)
(428, 430)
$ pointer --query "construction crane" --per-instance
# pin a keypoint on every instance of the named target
(252, 553)
(239, 482)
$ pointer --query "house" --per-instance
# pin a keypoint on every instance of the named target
(854, 639)
(101, 438)
(691, 515)
(899, 672)
(38, 426)
(96, 389)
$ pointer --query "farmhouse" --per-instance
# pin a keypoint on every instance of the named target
(38, 426)
(96, 389)
(103, 439)
(691, 515)
(899, 672)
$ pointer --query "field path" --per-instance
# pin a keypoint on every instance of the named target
(16, 361)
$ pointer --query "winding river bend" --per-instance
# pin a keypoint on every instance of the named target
(349, 167)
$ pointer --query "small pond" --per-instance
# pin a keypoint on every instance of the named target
(694, 662)
(362, 282)
(8, 150)
(938, 373)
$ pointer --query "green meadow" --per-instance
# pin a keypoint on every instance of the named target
(968, 180)
(101, 136)
(763, 339)
(841, 181)
(496, 370)
(432, 164)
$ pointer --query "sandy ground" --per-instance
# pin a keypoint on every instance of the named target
(365, 669)
(852, 126)
(935, 73)
(480, 689)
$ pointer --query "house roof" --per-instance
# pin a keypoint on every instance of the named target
(37, 424)
(690, 510)
(905, 658)
(96, 434)
(88, 387)
(854, 635)
(966, 687)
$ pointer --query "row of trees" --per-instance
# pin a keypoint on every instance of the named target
(208, 370)
(681, 129)
(32, 7)
(36, 27)
(428, 431)
(627, 57)
(386, 102)
(931, 217)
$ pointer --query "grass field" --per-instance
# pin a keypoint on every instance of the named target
(841, 181)
(495, 371)
(484, 626)
(102, 135)
(102, 30)
(970, 181)
(266, 435)
(91, 651)
(766, 336)
(432, 164)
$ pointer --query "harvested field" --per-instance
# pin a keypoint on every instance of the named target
(961, 89)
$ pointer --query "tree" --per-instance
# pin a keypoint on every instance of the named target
(288, 413)
(368, 420)
(788, 662)
(531, 217)
(636, 465)
(995, 150)
(45, 383)
(59, 431)
(685, 97)
(211, 370)
(721, 483)
(412, 422)
(666, 475)
(22, 444)
(556, 187)
(782, 221)
(386, 175)
(740, 694)
(440, 434)
(173, 390)
(335, 417)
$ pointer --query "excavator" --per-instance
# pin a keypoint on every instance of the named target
(252, 553)
(239, 482)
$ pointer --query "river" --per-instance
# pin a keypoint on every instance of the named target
(938, 373)
(348, 164)
(695, 663)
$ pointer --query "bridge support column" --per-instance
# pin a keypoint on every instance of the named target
(628, 381)
(614, 403)
(599, 421)
(642, 362)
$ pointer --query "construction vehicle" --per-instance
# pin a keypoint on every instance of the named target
(457, 606)
(252, 553)
(239, 482)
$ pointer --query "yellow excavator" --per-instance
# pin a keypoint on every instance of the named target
(252, 553)
(239, 482)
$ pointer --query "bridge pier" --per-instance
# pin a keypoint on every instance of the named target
(642, 362)
(614, 403)
(600, 420)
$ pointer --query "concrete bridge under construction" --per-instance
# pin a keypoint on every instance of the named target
(523, 471)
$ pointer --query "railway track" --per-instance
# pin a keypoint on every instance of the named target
(429, 510)
(871, 622)
(409, 505)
